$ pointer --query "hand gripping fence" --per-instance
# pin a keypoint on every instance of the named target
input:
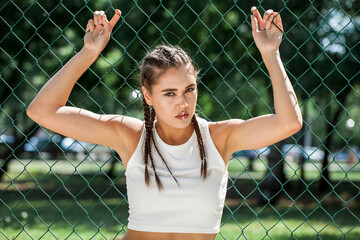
(304, 187)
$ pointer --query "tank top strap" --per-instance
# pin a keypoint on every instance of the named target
(204, 126)
(212, 153)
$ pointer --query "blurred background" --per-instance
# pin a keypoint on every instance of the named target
(304, 187)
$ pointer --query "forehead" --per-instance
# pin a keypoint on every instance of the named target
(177, 77)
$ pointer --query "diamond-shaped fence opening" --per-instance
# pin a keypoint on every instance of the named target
(305, 187)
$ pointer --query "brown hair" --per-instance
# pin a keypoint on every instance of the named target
(153, 66)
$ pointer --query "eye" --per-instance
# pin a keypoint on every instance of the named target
(169, 94)
(190, 89)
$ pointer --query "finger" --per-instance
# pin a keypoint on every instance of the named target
(269, 21)
(90, 26)
(278, 22)
(267, 14)
(106, 23)
(254, 23)
(115, 19)
(96, 21)
(256, 14)
(99, 17)
(104, 18)
(99, 27)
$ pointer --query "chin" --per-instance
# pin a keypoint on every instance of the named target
(182, 123)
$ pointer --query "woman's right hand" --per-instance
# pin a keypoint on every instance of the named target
(98, 31)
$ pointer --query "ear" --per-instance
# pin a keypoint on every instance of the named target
(147, 95)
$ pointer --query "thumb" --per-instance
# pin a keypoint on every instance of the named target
(254, 23)
(115, 19)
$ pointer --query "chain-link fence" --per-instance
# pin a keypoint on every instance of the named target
(305, 187)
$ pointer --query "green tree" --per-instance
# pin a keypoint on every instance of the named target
(321, 58)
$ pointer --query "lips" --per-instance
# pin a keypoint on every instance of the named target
(182, 115)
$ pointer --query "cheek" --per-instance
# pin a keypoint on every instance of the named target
(164, 103)
(191, 98)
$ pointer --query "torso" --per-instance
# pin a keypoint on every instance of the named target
(218, 139)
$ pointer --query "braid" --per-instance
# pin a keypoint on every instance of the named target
(149, 117)
(200, 141)
(151, 137)
(147, 139)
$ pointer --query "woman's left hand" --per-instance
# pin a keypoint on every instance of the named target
(267, 31)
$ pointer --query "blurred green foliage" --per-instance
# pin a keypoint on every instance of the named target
(320, 51)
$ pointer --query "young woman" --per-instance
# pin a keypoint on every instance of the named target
(175, 162)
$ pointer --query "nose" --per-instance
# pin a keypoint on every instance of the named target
(181, 102)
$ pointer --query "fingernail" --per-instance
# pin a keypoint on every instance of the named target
(253, 8)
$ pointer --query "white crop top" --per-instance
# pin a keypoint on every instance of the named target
(194, 207)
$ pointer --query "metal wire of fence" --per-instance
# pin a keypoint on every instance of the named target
(305, 187)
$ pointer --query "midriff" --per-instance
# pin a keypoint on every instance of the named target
(136, 235)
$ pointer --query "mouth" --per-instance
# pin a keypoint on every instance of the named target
(182, 116)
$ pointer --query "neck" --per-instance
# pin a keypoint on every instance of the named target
(174, 136)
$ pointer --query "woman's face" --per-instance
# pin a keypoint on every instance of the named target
(174, 97)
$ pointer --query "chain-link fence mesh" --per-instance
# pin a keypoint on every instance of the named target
(305, 187)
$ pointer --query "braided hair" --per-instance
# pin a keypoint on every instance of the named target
(153, 66)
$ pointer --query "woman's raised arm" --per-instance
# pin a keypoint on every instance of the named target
(48, 107)
(268, 129)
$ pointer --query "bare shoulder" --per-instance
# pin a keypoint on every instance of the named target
(220, 132)
(129, 130)
(223, 127)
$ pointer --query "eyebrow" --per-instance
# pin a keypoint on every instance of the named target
(175, 89)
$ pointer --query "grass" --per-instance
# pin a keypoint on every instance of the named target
(86, 218)
(289, 222)
(67, 199)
